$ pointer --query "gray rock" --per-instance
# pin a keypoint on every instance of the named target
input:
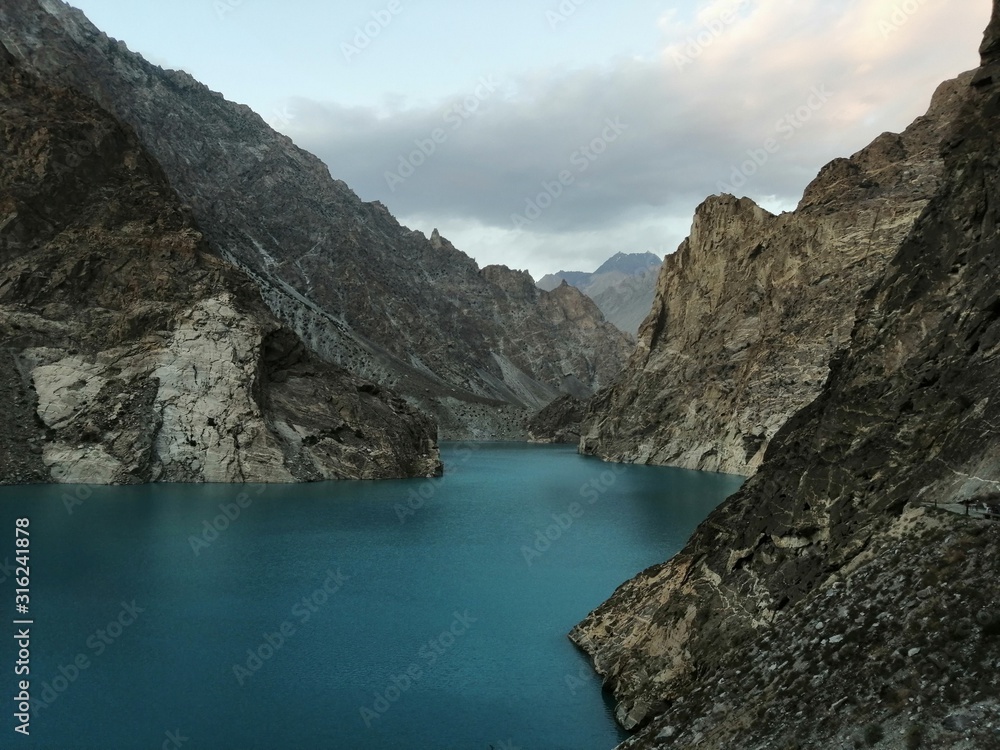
(907, 416)
(959, 722)
(131, 353)
(751, 308)
(479, 349)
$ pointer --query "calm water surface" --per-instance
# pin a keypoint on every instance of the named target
(413, 614)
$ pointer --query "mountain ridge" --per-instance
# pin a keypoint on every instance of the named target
(750, 310)
(622, 287)
(130, 353)
(837, 600)
(363, 291)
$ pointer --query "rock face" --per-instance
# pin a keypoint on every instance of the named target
(386, 303)
(623, 287)
(559, 422)
(752, 307)
(128, 353)
(829, 597)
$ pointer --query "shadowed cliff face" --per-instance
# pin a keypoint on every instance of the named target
(364, 292)
(128, 353)
(829, 595)
(751, 308)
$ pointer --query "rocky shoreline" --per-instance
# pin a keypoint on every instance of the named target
(829, 603)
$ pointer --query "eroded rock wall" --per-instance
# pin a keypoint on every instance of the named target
(131, 354)
(832, 601)
(412, 313)
(751, 308)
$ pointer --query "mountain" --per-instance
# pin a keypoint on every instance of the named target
(835, 600)
(559, 422)
(129, 352)
(578, 279)
(623, 287)
(630, 264)
(752, 307)
(473, 347)
(627, 302)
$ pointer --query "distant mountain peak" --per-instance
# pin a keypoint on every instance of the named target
(622, 287)
(629, 263)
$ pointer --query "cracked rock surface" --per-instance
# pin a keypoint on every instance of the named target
(128, 353)
(752, 307)
(477, 348)
(828, 604)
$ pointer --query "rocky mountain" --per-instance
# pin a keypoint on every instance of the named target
(559, 422)
(836, 601)
(623, 287)
(415, 314)
(752, 307)
(129, 353)
(627, 302)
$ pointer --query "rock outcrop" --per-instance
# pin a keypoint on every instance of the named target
(751, 308)
(559, 422)
(387, 303)
(129, 353)
(829, 603)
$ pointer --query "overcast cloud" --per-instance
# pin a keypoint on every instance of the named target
(560, 168)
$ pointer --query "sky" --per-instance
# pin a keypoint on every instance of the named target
(548, 135)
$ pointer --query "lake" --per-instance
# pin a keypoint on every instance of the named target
(405, 614)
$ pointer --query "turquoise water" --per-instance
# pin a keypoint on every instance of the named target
(411, 614)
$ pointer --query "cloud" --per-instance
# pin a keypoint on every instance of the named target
(728, 78)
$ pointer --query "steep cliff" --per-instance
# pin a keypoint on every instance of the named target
(387, 303)
(559, 422)
(831, 602)
(750, 309)
(128, 353)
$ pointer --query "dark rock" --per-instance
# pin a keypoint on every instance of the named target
(750, 310)
(361, 290)
(130, 353)
(845, 503)
(559, 422)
